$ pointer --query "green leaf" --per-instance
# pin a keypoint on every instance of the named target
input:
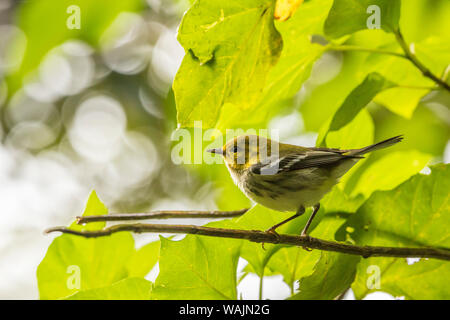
(94, 207)
(126, 289)
(402, 101)
(230, 48)
(294, 262)
(144, 259)
(356, 134)
(404, 98)
(261, 218)
(389, 171)
(354, 103)
(292, 69)
(97, 263)
(358, 99)
(348, 16)
(423, 280)
(346, 138)
(74, 263)
(197, 268)
(413, 214)
(282, 82)
(332, 275)
(434, 52)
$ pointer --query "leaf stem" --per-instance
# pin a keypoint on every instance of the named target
(162, 214)
(261, 281)
(264, 237)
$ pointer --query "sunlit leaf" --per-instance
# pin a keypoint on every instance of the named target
(332, 275)
(422, 280)
(127, 289)
(230, 48)
(197, 268)
(354, 103)
(295, 263)
(261, 218)
(348, 16)
(144, 260)
(402, 101)
(389, 171)
(73, 263)
(414, 214)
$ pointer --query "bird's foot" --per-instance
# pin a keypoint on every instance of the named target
(272, 231)
(307, 239)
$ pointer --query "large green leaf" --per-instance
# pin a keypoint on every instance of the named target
(144, 259)
(292, 70)
(404, 98)
(282, 81)
(348, 16)
(413, 214)
(294, 262)
(198, 268)
(422, 280)
(261, 218)
(354, 103)
(389, 171)
(230, 48)
(332, 275)
(74, 263)
(356, 134)
(126, 289)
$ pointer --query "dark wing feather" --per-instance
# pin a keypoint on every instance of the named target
(297, 161)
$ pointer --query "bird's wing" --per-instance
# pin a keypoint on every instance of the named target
(297, 161)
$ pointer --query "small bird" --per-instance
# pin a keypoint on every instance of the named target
(287, 177)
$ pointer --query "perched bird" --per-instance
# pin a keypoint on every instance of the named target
(286, 177)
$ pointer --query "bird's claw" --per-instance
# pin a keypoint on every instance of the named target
(272, 232)
(304, 235)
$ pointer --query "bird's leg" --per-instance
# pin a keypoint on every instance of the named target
(308, 223)
(272, 229)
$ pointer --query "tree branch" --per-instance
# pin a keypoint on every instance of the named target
(412, 57)
(263, 237)
(163, 214)
(408, 55)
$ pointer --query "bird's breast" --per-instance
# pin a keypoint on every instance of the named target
(287, 192)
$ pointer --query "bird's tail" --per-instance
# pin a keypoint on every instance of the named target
(379, 145)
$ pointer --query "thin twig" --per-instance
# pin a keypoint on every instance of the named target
(412, 57)
(163, 214)
(263, 237)
(408, 54)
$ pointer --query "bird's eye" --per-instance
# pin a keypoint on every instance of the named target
(235, 149)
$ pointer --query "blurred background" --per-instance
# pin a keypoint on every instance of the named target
(92, 108)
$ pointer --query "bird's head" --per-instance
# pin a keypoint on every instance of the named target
(244, 151)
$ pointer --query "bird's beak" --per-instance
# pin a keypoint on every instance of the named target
(218, 151)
